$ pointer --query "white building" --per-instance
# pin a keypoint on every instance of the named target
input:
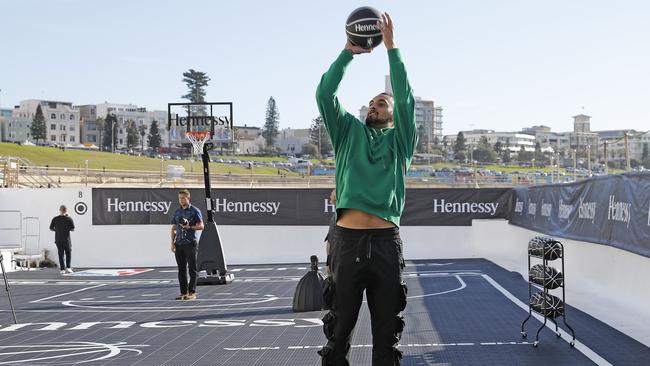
(616, 144)
(513, 141)
(290, 140)
(61, 121)
(249, 139)
(580, 139)
(13, 129)
(124, 113)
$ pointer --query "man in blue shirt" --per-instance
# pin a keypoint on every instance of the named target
(186, 221)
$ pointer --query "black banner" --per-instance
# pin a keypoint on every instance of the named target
(424, 207)
(612, 210)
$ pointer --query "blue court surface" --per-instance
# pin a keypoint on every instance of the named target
(459, 312)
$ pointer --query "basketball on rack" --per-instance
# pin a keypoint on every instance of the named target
(553, 277)
(361, 27)
(547, 305)
(546, 247)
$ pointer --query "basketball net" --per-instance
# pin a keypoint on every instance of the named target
(198, 139)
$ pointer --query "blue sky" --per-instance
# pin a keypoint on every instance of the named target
(499, 65)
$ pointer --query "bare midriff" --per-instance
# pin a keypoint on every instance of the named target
(356, 219)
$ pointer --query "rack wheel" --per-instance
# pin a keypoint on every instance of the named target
(558, 334)
(572, 343)
(524, 335)
(535, 343)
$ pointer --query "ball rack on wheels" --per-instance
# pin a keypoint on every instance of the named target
(4, 275)
(210, 257)
(546, 278)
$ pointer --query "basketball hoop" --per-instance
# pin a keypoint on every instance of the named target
(198, 139)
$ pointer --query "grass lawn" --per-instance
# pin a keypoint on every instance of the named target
(70, 158)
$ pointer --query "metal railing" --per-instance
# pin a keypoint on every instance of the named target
(35, 176)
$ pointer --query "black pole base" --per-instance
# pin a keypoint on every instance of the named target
(308, 295)
(214, 279)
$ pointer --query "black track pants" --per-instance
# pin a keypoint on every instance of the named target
(370, 260)
(65, 252)
(186, 260)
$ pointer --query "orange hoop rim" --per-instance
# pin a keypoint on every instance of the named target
(197, 133)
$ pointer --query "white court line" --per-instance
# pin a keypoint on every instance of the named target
(90, 282)
(67, 293)
(408, 345)
(566, 336)
(462, 286)
(150, 295)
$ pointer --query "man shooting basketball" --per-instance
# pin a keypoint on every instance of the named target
(371, 161)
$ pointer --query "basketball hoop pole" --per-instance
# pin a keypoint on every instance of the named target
(206, 178)
(4, 275)
(210, 256)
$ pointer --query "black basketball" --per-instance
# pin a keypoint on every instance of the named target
(361, 27)
(547, 305)
(546, 247)
(548, 277)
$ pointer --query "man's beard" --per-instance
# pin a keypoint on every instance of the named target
(374, 122)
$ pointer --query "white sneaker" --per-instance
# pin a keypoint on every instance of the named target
(68, 270)
(62, 272)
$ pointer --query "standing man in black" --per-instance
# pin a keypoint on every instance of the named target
(186, 222)
(62, 225)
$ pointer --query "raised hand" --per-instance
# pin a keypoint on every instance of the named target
(386, 27)
(356, 49)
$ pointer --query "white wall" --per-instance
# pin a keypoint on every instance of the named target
(608, 283)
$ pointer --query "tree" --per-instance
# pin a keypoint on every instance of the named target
(132, 135)
(524, 156)
(539, 156)
(272, 123)
(445, 146)
(110, 135)
(498, 148)
(38, 130)
(459, 147)
(319, 137)
(196, 82)
(154, 140)
(423, 140)
(506, 156)
(142, 130)
(309, 149)
(100, 122)
(484, 152)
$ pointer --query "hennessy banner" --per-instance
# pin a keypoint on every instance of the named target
(612, 210)
(424, 207)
